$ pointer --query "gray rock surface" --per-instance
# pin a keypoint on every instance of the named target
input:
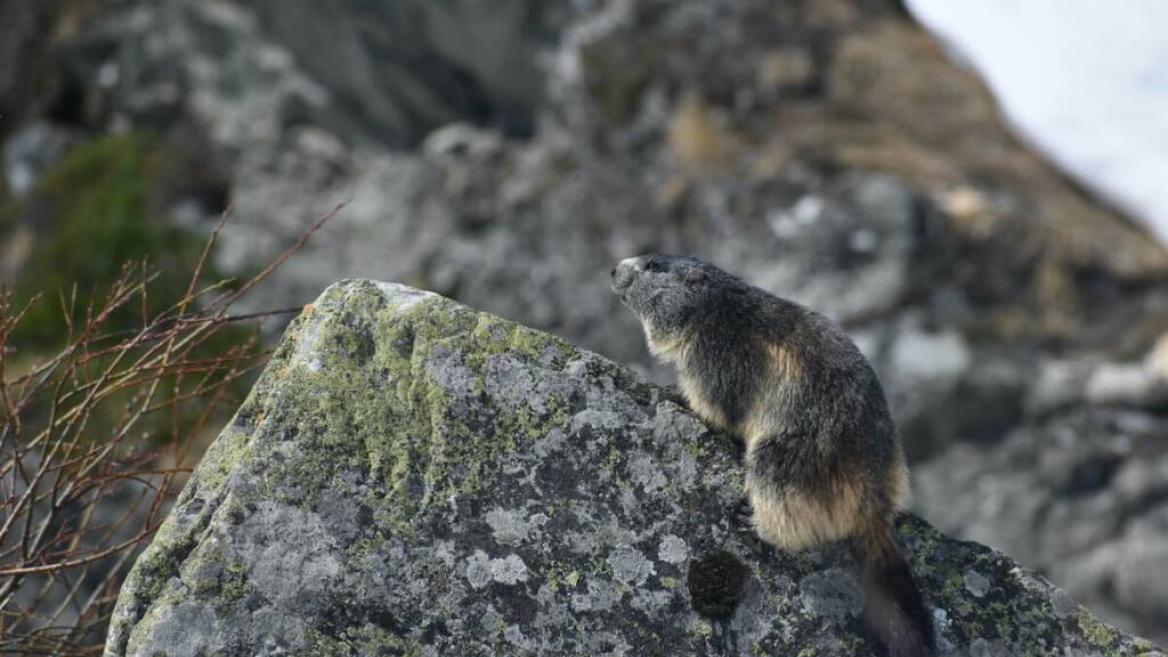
(410, 476)
(1078, 492)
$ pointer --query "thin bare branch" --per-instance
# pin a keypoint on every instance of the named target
(97, 436)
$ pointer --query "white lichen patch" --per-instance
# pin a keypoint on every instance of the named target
(596, 419)
(478, 569)
(187, 629)
(285, 571)
(444, 552)
(652, 603)
(549, 443)
(645, 473)
(449, 372)
(581, 602)
(514, 635)
(481, 570)
(1062, 604)
(601, 596)
(404, 297)
(673, 549)
(307, 350)
(490, 620)
(508, 527)
(509, 570)
(976, 584)
(630, 566)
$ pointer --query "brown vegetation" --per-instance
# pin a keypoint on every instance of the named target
(96, 440)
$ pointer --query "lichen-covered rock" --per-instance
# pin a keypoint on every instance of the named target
(412, 477)
(1079, 495)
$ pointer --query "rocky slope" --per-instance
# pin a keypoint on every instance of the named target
(826, 150)
(410, 476)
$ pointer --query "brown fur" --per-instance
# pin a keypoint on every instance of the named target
(781, 367)
(901, 490)
(668, 349)
(707, 410)
(794, 519)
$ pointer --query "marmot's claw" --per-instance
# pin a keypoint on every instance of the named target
(743, 513)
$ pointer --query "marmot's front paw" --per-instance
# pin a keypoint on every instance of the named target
(744, 513)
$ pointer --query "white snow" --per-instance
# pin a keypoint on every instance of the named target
(1085, 80)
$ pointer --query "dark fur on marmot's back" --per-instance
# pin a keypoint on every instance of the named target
(823, 461)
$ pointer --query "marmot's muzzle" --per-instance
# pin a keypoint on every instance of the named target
(625, 273)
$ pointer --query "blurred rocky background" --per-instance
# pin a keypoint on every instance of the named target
(507, 153)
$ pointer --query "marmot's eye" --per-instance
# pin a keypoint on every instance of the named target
(654, 266)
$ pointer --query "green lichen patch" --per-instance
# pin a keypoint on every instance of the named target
(365, 381)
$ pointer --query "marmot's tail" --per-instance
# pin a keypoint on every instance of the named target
(893, 606)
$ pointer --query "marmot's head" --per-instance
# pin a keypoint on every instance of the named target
(669, 293)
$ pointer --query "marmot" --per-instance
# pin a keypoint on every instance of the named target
(823, 460)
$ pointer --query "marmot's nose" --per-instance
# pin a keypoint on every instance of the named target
(624, 273)
(635, 264)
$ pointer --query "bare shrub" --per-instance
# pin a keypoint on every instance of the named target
(97, 439)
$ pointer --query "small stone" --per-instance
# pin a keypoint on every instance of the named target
(976, 584)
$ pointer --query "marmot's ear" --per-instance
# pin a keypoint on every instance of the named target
(694, 276)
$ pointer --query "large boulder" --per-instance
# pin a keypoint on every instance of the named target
(412, 477)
